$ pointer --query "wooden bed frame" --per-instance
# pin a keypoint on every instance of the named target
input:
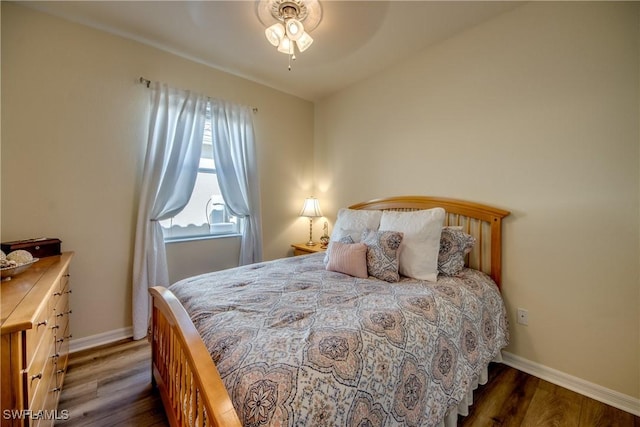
(190, 386)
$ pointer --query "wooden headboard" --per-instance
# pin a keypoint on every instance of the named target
(481, 221)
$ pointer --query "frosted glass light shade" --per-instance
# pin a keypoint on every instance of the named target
(275, 33)
(285, 46)
(304, 42)
(294, 29)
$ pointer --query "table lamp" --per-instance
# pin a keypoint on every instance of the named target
(311, 209)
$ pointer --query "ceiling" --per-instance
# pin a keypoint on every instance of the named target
(354, 40)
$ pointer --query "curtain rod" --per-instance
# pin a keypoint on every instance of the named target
(147, 83)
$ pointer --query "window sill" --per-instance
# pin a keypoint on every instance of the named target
(196, 238)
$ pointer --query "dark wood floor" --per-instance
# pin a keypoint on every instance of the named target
(111, 386)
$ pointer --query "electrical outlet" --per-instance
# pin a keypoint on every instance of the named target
(523, 316)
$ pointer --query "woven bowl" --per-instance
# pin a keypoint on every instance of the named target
(9, 272)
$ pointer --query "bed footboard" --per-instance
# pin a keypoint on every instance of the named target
(192, 391)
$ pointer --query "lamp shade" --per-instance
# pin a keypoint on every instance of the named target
(286, 46)
(275, 33)
(304, 41)
(294, 29)
(311, 208)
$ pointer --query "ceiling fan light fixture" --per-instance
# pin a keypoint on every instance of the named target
(288, 23)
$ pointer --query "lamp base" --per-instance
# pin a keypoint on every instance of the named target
(311, 242)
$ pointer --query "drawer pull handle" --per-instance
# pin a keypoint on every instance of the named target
(67, 275)
(69, 336)
(56, 389)
(68, 292)
(43, 323)
(55, 327)
(60, 371)
(55, 356)
(60, 314)
(36, 377)
(57, 294)
(60, 340)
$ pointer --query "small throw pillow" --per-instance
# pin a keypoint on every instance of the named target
(418, 252)
(382, 254)
(454, 246)
(327, 254)
(349, 259)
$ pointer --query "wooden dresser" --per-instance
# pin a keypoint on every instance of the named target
(35, 342)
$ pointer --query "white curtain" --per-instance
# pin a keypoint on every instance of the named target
(176, 128)
(234, 152)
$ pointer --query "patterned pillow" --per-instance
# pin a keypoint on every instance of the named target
(454, 246)
(349, 259)
(382, 253)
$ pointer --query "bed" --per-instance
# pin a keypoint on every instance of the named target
(291, 343)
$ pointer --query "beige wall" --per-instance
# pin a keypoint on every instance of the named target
(536, 112)
(74, 126)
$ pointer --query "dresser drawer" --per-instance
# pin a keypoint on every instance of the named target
(44, 401)
(40, 335)
(39, 375)
(61, 368)
(64, 281)
(62, 304)
(62, 340)
(61, 320)
(35, 372)
(50, 404)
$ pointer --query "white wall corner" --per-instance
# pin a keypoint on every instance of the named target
(97, 340)
(610, 397)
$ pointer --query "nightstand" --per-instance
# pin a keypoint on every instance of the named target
(303, 249)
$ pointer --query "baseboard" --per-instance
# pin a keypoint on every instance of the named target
(100, 339)
(586, 388)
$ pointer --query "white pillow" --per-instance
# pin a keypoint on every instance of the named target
(352, 222)
(420, 245)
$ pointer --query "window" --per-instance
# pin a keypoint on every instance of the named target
(206, 213)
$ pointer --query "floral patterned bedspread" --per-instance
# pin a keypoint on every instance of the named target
(297, 345)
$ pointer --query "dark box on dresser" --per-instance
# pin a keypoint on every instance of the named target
(39, 248)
